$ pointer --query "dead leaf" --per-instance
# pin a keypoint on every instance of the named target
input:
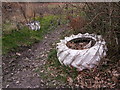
(18, 54)
(17, 82)
(115, 79)
(70, 80)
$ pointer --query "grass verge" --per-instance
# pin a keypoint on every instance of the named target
(26, 37)
(57, 72)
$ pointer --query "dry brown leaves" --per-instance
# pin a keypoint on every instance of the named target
(70, 80)
(77, 46)
(108, 78)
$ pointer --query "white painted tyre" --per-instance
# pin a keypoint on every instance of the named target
(81, 59)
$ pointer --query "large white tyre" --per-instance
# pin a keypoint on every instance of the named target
(85, 58)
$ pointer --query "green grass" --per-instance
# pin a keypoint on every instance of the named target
(25, 37)
(61, 72)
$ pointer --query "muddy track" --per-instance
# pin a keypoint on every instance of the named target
(19, 68)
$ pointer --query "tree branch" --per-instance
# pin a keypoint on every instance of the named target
(93, 19)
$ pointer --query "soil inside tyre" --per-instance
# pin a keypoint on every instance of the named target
(80, 43)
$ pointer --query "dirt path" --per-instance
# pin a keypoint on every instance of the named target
(19, 68)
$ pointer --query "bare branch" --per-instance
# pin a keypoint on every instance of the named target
(93, 19)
